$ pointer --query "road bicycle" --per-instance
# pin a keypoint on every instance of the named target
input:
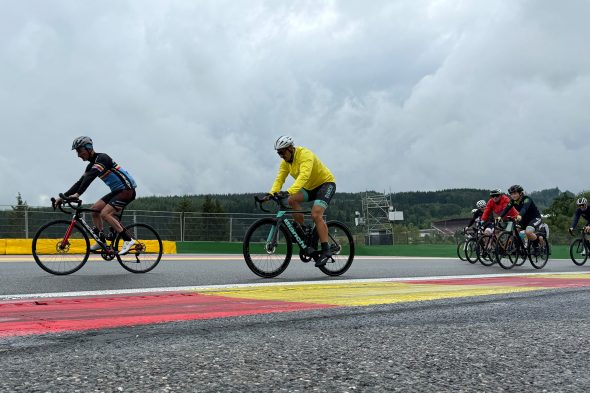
(579, 248)
(268, 243)
(470, 244)
(512, 251)
(483, 248)
(62, 247)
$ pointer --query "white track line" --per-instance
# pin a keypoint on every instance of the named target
(230, 286)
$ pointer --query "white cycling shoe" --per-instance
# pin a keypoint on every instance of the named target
(127, 246)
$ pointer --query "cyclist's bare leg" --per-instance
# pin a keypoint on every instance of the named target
(96, 215)
(317, 213)
(295, 202)
(109, 215)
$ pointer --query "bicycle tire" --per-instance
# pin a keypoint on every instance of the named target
(59, 255)
(506, 250)
(461, 247)
(254, 240)
(148, 243)
(471, 253)
(577, 247)
(486, 248)
(343, 261)
(539, 260)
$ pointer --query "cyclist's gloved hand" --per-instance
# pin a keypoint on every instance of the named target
(518, 218)
(498, 219)
(571, 231)
(266, 197)
(283, 194)
(465, 229)
(587, 229)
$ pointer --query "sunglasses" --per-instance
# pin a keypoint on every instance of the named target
(282, 152)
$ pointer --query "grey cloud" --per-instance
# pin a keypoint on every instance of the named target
(189, 96)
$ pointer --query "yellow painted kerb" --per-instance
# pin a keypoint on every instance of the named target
(364, 294)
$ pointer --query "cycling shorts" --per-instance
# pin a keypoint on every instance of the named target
(321, 195)
(119, 198)
(534, 225)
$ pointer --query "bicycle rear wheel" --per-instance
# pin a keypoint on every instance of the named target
(578, 252)
(266, 252)
(341, 245)
(56, 256)
(145, 254)
(539, 255)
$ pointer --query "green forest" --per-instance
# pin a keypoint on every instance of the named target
(420, 208)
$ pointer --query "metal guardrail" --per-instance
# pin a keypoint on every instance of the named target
(24, 222)
(175, 226)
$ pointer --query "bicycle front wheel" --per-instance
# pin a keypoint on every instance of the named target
(471, 253)
(341, 245)
(506, 250)
(486, 250)
(267, 248)
(145, 254)
(57, 255)
(539, 253)
(578, 252)
(461, 250)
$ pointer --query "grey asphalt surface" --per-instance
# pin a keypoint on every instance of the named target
(527, 342)
(533, 342)
(27, 277)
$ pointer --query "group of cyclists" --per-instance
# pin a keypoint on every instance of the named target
(314, 182)
(520, 208)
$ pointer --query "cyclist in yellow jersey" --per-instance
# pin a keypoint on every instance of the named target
(313, 182)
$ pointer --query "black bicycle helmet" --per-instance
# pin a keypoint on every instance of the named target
(515, 188)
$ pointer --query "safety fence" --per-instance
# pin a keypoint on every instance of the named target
(22, 222)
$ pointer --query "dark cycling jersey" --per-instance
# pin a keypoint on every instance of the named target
(476, 214)
(103, 166)
(526, 209)
(581, 213)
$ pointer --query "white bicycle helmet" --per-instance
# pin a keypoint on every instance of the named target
(481, 204)
(581, 201)
(283, 142)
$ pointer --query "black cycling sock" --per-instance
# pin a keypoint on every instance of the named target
(325, 246)
(125, 236)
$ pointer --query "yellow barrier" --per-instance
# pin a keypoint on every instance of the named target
(23, 246)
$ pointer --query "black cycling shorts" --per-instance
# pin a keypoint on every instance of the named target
(119, 198)
(321, 195)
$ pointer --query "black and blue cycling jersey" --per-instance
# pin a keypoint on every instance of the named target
(581, 213)
(103, 166)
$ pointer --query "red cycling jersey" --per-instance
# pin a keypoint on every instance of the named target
(498, 207)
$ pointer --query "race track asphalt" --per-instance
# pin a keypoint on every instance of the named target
(20, 274)
(526, 341)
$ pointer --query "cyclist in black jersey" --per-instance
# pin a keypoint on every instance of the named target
(529, 215)
(116, 178)
(581, 211)
(477, 213)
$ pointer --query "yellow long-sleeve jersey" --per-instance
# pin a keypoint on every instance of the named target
(306, 168)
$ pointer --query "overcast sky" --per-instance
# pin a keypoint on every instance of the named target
(189, 96)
